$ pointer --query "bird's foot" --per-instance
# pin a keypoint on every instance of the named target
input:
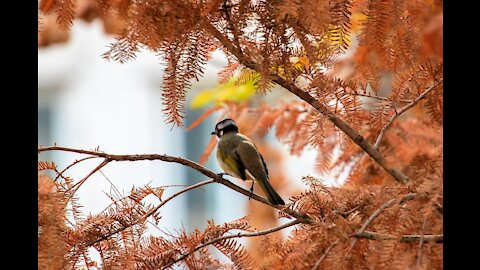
(251, 191)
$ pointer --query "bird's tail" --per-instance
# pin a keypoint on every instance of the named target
(271, 194)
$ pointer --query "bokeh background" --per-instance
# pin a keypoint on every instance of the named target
(85, 102)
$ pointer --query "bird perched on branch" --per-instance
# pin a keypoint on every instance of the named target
(238, 156)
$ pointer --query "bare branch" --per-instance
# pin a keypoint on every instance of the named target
(176, 194)
(77, 185)
(422, 239)
(232, 27)
(203, 170)
(299, 217)
(381, 98)
(317, 264)
(347, 213)
(402, 110)
(238, 235)
(377, 213)
(151, 212)
(437, 238)
(347, 129)
(71, 165)
(366, 234)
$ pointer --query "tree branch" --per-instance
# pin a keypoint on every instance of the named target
(342, 125)
(232, 27)
(238, 235)
(437, 238)
(299, 217)
(365, 234)
(375, 215)
(381, 98)
(203, 170)
(155, 209)
(71, 165)
(347, 213)
(317, 264)
(77, 185)
(149, 213)
(377, 212)
(402, 110)
(422, 240)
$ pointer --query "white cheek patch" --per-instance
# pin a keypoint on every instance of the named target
(221, 132)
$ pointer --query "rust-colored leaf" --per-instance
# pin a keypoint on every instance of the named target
(202, 117)
(208, 150)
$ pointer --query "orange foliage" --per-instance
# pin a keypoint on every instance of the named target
(398, 58)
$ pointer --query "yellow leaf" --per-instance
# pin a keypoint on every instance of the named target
(300, 63)
(357, 19)
(229, 91)
(202, 99)
(339, 36)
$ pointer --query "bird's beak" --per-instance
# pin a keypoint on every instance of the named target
(213, 133)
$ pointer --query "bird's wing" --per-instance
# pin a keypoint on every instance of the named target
(252, 160)
(235, 164)
(264, 164)
(255, 165)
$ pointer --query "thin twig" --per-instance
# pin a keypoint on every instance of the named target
(85, 259)
(232, 27)
(347, 213)
(437, 238)
(77, 185)
(369, 220)
(71, 165)
(420, 244)
(238, 235)
(305, 96)
(377, 213)
(119, 194)
(402, 110)
(194, 165)
(382, 98)
(115, 189)
(324, 255)
(376, 236)
(153, 210)
(149, 213)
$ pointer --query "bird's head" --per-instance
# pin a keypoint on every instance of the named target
(225, 126)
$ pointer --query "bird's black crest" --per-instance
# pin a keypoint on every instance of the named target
(225, 126)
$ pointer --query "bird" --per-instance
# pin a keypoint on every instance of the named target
(238, 156)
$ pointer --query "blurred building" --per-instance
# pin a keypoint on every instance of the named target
(87, 102)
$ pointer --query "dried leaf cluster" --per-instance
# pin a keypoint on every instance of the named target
(331, 244)
(387, 226)
(268, 35)
(118, 234)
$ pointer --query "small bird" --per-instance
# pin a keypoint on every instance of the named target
(238, 156)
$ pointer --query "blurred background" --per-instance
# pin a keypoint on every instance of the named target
(85, 102)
